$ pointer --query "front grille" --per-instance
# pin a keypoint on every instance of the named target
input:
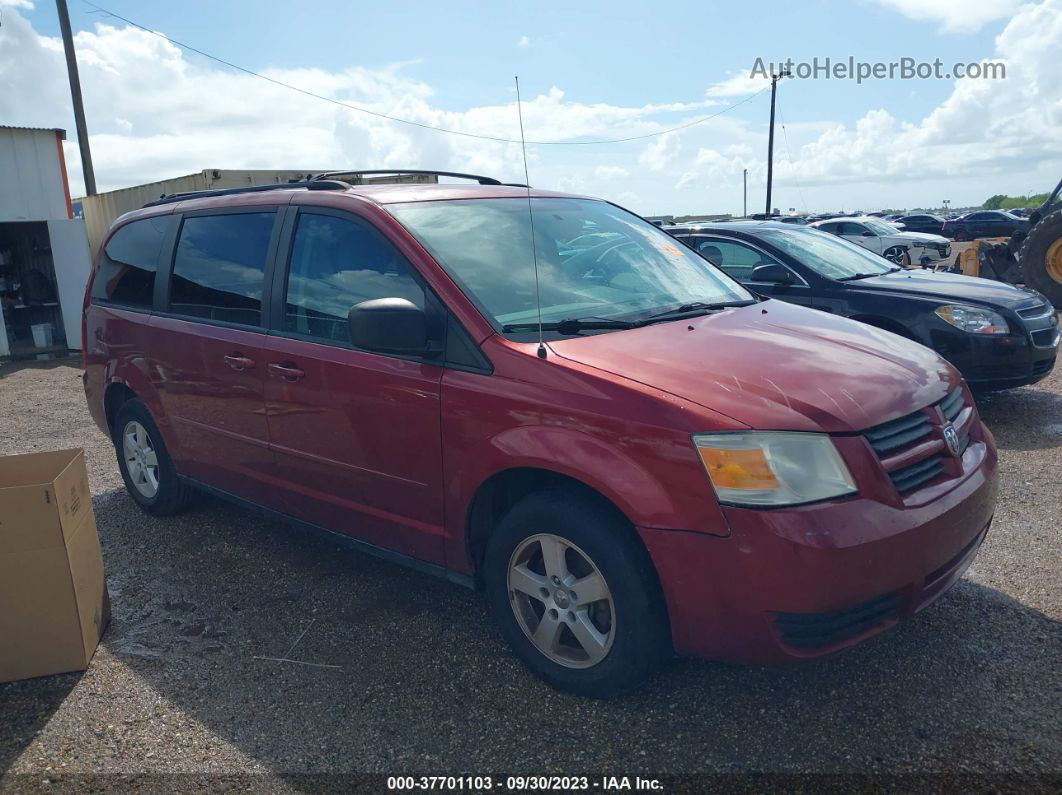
(1041, 310)
(899, 433)
(1045, 337)
(809, 631)
(952, 404)
(897, 437)
(911, 477)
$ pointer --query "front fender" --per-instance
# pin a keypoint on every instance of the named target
(655, 482)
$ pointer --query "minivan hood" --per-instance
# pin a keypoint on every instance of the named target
(775, 366)
(949, 287)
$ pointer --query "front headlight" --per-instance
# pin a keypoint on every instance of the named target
(973, 319)
(757, 468)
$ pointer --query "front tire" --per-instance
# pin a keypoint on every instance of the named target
(575, 594)
(897, 255)
(147, 469)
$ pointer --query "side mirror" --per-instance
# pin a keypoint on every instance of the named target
(867, 233)
(772, 273)
(390, 325)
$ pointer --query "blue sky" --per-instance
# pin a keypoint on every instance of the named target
(589, 70)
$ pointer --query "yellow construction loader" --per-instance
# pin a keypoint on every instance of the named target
(1031, 256)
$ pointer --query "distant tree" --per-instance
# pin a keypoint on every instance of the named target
(1003, 202)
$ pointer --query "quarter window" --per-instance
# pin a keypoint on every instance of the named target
(130, 260)
(736, 259)
(336, 263)
(219, 267)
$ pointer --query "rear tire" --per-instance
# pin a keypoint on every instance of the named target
(1041, 258)
(963, 236)
(147, 469)
(596, 643)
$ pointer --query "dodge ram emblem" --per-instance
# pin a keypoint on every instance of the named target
(951, 437)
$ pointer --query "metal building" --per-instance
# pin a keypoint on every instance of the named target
(44, 256)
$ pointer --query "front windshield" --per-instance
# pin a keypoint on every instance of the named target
(879, 227)
(826, 254)
(594, 260)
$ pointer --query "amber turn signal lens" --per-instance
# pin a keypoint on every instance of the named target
(738, 469)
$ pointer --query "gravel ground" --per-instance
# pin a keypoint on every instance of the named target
(409, 677)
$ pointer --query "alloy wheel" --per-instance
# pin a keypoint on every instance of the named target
(141, 460)
(561, 601)
(896, 254)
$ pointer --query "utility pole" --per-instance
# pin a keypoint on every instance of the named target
(770, 140)
(75, 95)
(745, 193)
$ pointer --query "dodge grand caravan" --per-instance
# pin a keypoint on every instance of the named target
(631, 454)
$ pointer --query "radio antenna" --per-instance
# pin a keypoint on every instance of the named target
(531, 217)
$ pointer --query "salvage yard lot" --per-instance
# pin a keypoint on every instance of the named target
(399, 672)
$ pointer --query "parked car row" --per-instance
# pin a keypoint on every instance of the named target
(997, 335)
(982, 223)
(628, 443)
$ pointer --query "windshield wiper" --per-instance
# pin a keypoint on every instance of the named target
(692, 309)
(571, 325)
(860, 276)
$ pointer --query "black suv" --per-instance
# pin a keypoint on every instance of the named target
(998, 335)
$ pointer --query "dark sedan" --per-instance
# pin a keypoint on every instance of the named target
(998, 335)
(983, 223)
(922, 222)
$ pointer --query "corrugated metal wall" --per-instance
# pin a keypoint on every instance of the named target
(101, 210)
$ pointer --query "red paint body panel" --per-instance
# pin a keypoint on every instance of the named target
(216, 412)
(357, 445)
(394, 451)
(777, 366)
(721, 593)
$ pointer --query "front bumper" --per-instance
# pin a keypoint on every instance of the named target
(924, 255)
(808, 581)
(1000, 362)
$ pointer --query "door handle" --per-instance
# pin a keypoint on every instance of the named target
(287, 371)
(239, 362)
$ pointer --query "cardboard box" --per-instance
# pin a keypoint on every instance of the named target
(53, 596)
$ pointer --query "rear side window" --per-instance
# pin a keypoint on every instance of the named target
(336, 263)
(130, 260)
(736, 259)
(219, 267)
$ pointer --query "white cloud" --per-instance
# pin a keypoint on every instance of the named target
(659, 152)
(741, 84)
(968, 16)
(984, 127)
(155, 113)
(524, 41)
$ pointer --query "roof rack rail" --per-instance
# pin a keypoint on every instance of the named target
(399, 171)
(313, 184)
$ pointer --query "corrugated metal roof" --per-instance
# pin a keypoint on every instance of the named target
(35, 129)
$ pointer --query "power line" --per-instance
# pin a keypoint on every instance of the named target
(789, 157)
(410, 122)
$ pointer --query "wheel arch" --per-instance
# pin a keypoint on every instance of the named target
(116, 394)
(496, 495)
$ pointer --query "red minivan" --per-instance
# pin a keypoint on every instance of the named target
(544, 396)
